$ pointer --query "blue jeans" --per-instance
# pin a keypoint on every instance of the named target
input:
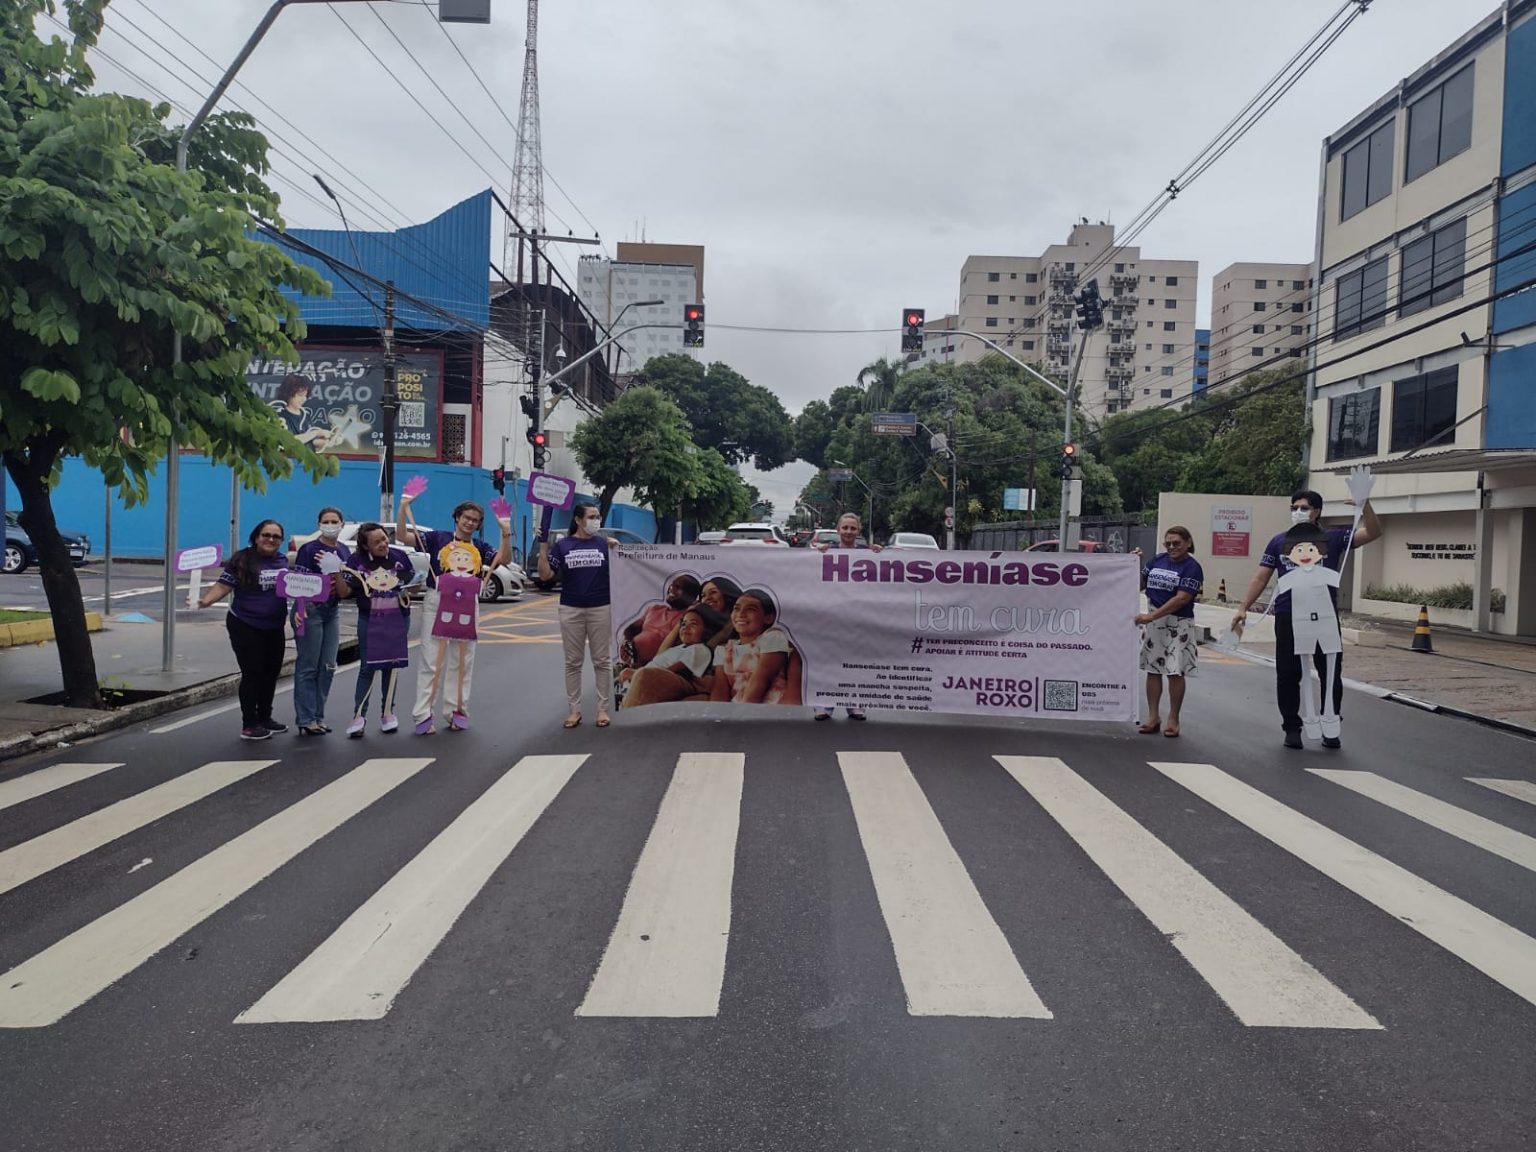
(316, 663)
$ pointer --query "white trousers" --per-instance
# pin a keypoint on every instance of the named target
(584, 630)
(427, 671)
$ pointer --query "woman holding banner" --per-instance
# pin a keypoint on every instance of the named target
(586, 616)
(1172, 581)
(316, 630)
(255, 623)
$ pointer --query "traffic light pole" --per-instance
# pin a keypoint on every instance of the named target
(1062, 541)
(391, 406)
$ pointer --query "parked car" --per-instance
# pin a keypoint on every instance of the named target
(711, 537)
(913, 540)
(801, 537)
(757, 533)
(828, 536)
(506, 580)
(21, 553)
(1082, 546)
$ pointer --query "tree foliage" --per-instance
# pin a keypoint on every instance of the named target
(740, 420)
(109, 252)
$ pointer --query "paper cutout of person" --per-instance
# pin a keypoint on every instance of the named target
(1314, 621)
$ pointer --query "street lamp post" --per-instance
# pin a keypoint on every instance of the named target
(462, 12)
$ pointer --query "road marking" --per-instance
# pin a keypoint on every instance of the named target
(1265, 983)
(45, 780)
(357, 973)
(45, 988)
(666, 956)
(1489, 835)
(953, 958)
(1467, 932)
(34, 857)
(1519, 789)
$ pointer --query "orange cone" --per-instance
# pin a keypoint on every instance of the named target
(1221, 593)
(1421, 638)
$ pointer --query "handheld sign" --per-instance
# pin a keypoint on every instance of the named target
(302, 585)
(204, 556)
(550, 491)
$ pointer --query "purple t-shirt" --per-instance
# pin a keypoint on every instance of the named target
(259, 606)
(308, 560)
(1275, 557)
(1165, 578)
(433, 542)
(583, 569)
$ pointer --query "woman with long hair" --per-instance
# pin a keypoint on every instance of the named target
(376, 578)
(586, 620)
(255, 623)
(316, 629)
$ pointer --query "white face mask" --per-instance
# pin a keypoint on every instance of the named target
(1300, 515)
(593, 523)
(330, 531)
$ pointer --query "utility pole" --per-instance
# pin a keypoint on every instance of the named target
(1066, 483)
(954, 477)
(391, 406)
(536, 366)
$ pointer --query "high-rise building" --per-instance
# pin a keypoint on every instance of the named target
(671, 273)
(1426, 325)
(1258, 312)
(1202, 359)
(1144, 354)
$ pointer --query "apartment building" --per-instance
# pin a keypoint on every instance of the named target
(1426, 312)
(1202, 359)
(671, 273)
(1258, 312)
(1145, 353)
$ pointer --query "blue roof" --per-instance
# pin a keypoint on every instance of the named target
(443, 263)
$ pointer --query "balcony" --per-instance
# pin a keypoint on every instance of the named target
(1060, 275)
(1128, 280)
(1121, 302)
(1124, 324)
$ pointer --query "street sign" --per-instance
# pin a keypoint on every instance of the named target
(1018, 499)
(550, 491)
(839, 475)
(894, 424)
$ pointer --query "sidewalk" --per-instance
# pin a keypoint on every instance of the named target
(1477, 676)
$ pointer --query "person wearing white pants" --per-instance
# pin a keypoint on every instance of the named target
(586, 619)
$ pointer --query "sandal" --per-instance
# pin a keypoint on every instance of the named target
(1171, 731)
(572, 720)
(312, 730)
(1149, 727)
(603, 720)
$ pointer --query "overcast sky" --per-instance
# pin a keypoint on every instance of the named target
(838, 159)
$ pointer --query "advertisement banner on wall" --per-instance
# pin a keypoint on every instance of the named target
(332, 399)
(1231, 529)
(978, 633)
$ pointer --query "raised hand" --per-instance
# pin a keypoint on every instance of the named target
(330, 563)
(501, 508)
(1360, 483)
(414, 487)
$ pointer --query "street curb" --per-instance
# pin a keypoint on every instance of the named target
(128, 716)
(39, 631)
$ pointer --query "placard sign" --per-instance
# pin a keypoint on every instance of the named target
(203, 556)
(550, 491)
(302, 585)
(1231, 529)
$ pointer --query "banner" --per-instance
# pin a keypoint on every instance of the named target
(332, 399)
(981, 633)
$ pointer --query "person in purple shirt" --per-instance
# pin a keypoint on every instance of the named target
(586, 620)
(316, 630)
(255, 623)
(1306, 506)
(1172, 581)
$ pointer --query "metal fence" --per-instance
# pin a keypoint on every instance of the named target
(1117, 533)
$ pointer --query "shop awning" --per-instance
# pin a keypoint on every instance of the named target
(1442, 460)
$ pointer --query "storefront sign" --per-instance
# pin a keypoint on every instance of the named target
(982, 633)
(332, 399)
(1231, 529)
(1441, 551)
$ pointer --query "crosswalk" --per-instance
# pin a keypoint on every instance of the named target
(668, 952)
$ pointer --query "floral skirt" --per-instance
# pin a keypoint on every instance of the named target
(1168, 647)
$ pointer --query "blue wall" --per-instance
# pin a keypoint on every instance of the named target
(1512, 398)
(79, 504)
(1519, 100)
(1517, 229)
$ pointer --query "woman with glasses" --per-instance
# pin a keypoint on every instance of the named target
(255, 622)
(1172, 581)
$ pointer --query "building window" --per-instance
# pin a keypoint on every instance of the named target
(1258, 305)
(1295, 329)
(1423, 408)
(1119, 267)
(1297, 285)
(1031, 277)
(1168, 325)
(1439, 125)
(1433, 267)
(1167, 349)
(1367, 172)
(1170, 303)
(1353, 425)
(991, 321)
(1031, 299)
(991, 299)
(1168, 371)
(1171, 281)
(1259, 328)
(1260, 284)
(1029, 321)
(1029, 345)
(1296, 307)
(1258, 352)
(1013, 275)
(994, 277)
(1166, 393)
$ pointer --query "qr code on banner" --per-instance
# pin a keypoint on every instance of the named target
(1060, 696)
(413, 414)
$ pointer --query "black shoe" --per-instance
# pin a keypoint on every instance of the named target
(1332, 742)
(274, 726)
(256, 733)
(1293, 740)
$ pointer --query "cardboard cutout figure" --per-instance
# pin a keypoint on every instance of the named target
(458, 609)
(1315, 622)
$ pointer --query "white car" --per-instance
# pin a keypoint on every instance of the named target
(756, 533)
(831, 539)
(713, 537)
(913, 540)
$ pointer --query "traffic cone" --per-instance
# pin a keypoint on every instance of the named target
(1421, 639)
(1221, 593)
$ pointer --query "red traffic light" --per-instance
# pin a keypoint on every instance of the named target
(693, 312)
(1069, 449)
(539, 439)
(913, 319)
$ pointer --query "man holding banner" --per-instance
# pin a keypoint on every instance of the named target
(848, 526)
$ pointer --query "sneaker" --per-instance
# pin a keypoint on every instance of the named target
(389, 722)
(856, 714)
(355, 729)
(274, 725)
(459, 722)
(257, 733)
(1332, 742)
(1293, 740)
(425, 727)
(823, 713)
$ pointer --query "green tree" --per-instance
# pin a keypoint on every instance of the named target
(1149, 449)
(640, 441)
(879, 382)
(1256, 438)
(722, 497)
(741, 420)
(108, 251)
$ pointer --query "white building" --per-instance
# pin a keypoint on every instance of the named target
(1258, 312)
(671, 273)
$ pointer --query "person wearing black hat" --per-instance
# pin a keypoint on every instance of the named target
(1290, 670)
(1312, 586)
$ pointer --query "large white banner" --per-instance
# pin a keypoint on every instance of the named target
(985, 633)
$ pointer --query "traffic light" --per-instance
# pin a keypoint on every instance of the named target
(1090, 307)
(530, 406)
(499, 479)
(1069, 463)
(540, 442)
(693, 326)
(912, 330)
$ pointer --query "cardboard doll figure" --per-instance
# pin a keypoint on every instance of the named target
(454, 625)
(1315, 622)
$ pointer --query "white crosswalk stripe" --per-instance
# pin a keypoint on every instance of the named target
(44, 853)
(952, 956)
(357, 973)
(45, 988)
(1260, 979)
(1519, 789)
(667, 953)
(1489, 945)
(45, 780)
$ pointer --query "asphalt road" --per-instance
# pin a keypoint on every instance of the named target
(135, 587)
(925, 948)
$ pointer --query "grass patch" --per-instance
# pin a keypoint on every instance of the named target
(20, 615)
